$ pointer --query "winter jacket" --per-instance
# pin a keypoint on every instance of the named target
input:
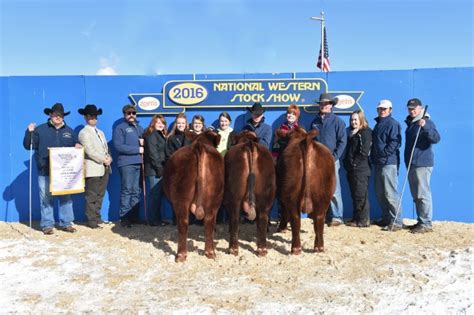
(47, 136)
(263, 131)
(386, 141)
(126, 139)
(356, 160)
(154, 155)
(423, 154)
(332, 133)
(175, 142)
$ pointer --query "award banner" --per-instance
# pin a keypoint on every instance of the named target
(66, 170)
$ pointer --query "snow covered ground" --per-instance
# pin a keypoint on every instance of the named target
(118, 270)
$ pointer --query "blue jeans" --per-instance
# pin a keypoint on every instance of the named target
(386, 183)
(336, 208)
(66, 213)
(129, 187)
(419, 180)
(154, 199)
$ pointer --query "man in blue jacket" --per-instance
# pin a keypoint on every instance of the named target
(54, 133)
(422, 162)
(128, 142)
(386, 141)
(257, 124)
(332, 133)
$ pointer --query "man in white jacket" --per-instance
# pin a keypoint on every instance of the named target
(97, 164)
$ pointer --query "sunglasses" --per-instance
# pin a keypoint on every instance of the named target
(130, 113)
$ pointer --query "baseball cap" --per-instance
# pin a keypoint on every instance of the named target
(128, 107)
(414, 102)
(384, 104)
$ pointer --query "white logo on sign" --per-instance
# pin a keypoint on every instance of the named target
(148, 103)
(344, 101)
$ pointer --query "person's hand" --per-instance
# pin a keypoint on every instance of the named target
(141, 150)
(141, 141)
(31, 127)
(78, 146)
(108, 161)
(422, 123)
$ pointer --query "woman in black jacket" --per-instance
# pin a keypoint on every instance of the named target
(154, 159)
(177, 138)
(356, 163)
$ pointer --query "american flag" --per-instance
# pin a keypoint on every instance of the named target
(326, 66)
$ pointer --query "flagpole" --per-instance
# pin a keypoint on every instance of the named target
(321, 19)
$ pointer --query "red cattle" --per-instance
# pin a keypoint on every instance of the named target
(249, 187)
(306, 181)
(193, 181)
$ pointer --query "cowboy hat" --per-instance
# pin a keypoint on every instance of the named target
(57, 108)
(90, 109)
(256, 109)
(326, 98)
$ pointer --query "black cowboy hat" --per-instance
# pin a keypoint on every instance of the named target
(256, 109)
(90, 109)
(326, 97)
(57, 108)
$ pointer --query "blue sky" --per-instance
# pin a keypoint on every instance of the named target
(61, 37)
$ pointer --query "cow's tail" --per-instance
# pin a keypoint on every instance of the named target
(249, 206)
(306, 202)
(196, 205)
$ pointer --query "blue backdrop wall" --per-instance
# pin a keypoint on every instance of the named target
(447, 91)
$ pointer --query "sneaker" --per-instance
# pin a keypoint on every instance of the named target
(48, 231)
(421, 229)
(69, 229)
(392, 228)
(335, 222)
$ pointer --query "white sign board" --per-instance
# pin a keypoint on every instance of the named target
(66, 169)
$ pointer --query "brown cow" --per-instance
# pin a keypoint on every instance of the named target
(193, 181)
(249, 186)
(306, 183)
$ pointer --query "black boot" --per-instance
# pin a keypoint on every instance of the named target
(134, 214)
(125, 220)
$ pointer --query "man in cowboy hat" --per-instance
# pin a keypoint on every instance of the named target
(53, 133)
(332, 133)
(128, 142)
(97, 164)
(385, 156)
(257, 124)
(422, 162)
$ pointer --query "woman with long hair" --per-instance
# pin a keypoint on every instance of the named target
(177, 138)
(356, 162)
(154, 159)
